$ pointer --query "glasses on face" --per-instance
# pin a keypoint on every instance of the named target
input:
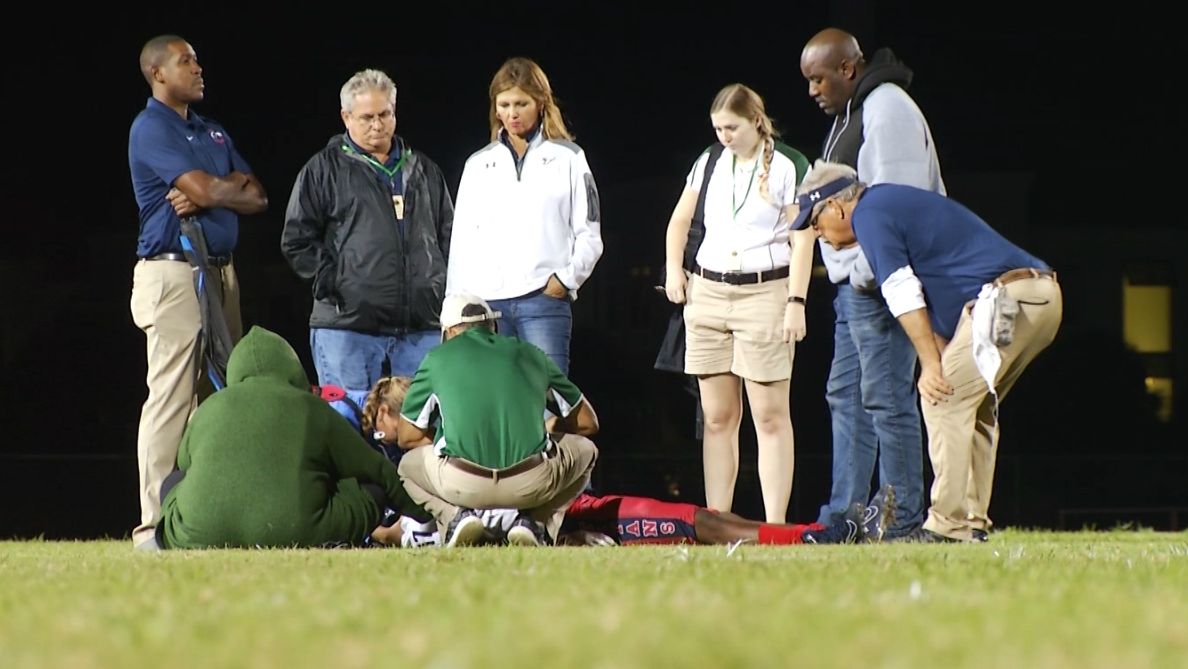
(368, 119)
(823, 206)
(820, 209)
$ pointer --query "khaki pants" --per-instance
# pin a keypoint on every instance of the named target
(544, 492)
(737, 329)
(963, 432)
(165, 306)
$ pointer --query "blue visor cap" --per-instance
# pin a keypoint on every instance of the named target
(811, 198)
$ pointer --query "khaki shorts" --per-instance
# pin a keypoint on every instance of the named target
(737, 329)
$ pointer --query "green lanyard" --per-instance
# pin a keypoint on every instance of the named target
(733, 188)
(377, 164)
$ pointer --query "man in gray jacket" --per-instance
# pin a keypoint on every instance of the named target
(369, 223)
(878, 130)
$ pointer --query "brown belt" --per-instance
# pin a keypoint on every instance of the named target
(1024, 273)
(520, 467)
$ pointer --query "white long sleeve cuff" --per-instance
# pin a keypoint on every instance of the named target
(903, 292)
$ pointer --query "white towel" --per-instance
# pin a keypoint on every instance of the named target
(986, 356)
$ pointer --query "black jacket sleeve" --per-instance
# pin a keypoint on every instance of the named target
(445, 209)
(304, 240)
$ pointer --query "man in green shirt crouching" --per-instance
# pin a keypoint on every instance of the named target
(491, 448)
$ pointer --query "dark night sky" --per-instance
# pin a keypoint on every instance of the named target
(1059, 103)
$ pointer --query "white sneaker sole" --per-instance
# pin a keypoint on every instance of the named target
(521, 536)
(468, 532)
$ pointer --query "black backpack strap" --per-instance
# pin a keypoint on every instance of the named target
(331, 393)
(215, 333)
(354, 406)
(697, 226)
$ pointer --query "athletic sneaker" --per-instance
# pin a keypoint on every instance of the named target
(845, 530)
(466, 529)
(923, 536)
(527, 532)
(880, 515)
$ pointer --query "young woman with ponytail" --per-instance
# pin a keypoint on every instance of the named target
(744, 308)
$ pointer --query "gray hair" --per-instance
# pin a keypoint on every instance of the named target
(822, 173)
(364, 81)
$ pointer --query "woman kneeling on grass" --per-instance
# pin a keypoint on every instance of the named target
(265, 463)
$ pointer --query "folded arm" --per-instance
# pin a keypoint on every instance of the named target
(239, 192)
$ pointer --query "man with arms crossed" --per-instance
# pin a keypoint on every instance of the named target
(182, 165)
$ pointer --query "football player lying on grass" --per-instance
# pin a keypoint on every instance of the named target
(611, 519)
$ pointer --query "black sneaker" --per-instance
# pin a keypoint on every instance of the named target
(845, 530)
(923, 536)
(527, 532)
(466, 529)
(980, 536)
(880, 515)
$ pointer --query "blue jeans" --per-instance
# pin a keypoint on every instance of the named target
(354, 360)
(874, 409)
(546, 322)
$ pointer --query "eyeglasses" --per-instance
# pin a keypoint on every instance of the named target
(822, 206)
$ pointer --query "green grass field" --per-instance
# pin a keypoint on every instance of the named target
(1108, 599)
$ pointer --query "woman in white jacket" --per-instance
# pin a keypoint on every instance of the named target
(526, 224)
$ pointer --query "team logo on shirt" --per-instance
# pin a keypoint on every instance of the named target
(218, 136)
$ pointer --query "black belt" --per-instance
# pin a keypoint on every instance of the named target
(527, 464)
(741, 279)
(213, 261)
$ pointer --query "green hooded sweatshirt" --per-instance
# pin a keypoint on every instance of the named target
(268, 463)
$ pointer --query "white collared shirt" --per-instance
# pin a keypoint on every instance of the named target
(743, 231)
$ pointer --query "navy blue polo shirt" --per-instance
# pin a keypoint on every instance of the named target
(950, 249)
(162, 146)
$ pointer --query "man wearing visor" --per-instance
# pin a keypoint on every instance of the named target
(977, 308)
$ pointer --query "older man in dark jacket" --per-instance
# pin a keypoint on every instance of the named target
(369, 223)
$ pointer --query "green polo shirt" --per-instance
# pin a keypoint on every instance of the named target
(490, 393)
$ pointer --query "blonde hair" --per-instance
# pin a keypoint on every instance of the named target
(389, 391)
(525, 74)
(742, 101)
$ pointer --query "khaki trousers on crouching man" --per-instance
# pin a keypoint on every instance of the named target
(963, 432)
(444, 484)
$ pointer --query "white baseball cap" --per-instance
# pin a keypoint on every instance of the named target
(454, 310)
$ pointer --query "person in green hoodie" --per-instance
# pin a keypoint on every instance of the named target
(266, 463)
